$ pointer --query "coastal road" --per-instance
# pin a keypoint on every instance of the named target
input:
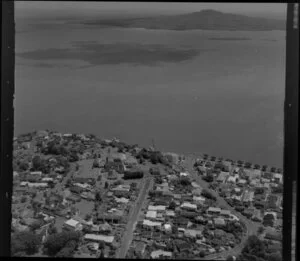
(133, 217)
(251, 226)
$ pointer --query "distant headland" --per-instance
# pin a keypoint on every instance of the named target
(204, 20)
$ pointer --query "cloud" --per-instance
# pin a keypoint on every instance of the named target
(94, 53)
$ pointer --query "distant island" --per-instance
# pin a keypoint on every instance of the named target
(204, 20)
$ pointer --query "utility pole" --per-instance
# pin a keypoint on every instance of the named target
(153, 144)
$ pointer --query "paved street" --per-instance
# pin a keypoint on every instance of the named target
(250, 225)
(133, 217)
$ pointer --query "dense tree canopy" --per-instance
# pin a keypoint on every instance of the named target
(26, 242)
(56, 242)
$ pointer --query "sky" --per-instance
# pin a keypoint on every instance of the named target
(47, 9)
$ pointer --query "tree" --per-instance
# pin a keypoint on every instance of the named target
(35, 225)
(260, 230)
(27, 242)
(202, 253)
(185, 181)
(106, 185)
(254, 249)
(52, 230)
(56, 242)
(96, 163)
(98, 196)
(208, 178)
(207, 194)
(68, 183)
(268, 220)
(172, 205)
(174, 230)
(88, 217)
(24, 166)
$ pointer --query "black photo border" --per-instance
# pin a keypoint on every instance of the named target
(7, 123)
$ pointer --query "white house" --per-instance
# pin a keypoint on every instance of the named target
(158, 253)
(73, 225)
(157, 208)
(212, 210)
(188, 206)
(198, 200)
(39, 173)
(98, 238)
(150, 224)
(37, 185)
(151, 214)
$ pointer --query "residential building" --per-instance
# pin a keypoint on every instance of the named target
(160, 253)
(188, 206)
(219, 222)
(72, 224)
(98, 238)
(213, 210)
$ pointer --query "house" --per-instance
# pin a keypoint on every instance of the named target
(157, 208)
(213, 210)
(37, 185)
(273, 236)
(225, 213)
(33, 178)
(170, 213)
(257, 216)
(150, 224)
(47, 179)
(38, 173)
(222, 177)
(160, 253)
(151, 214)
(73, 198)
(197, 191)
(193, 233)
(98, 238)
(121, 187)
(219, 222)
(60, 170)
(278, 178)
(140, 248)
(248, 196)
(121, 200)
(242, 182)
(167, 228)
(198, 200)
(184, 174)
(72, 224)
(76, 189)
(182, 245)
(84, 186)
(236, 198)
(189, 206)
(231, 179)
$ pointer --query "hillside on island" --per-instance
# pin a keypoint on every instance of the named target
(205, 20)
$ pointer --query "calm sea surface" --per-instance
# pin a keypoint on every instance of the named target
(227, 100)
